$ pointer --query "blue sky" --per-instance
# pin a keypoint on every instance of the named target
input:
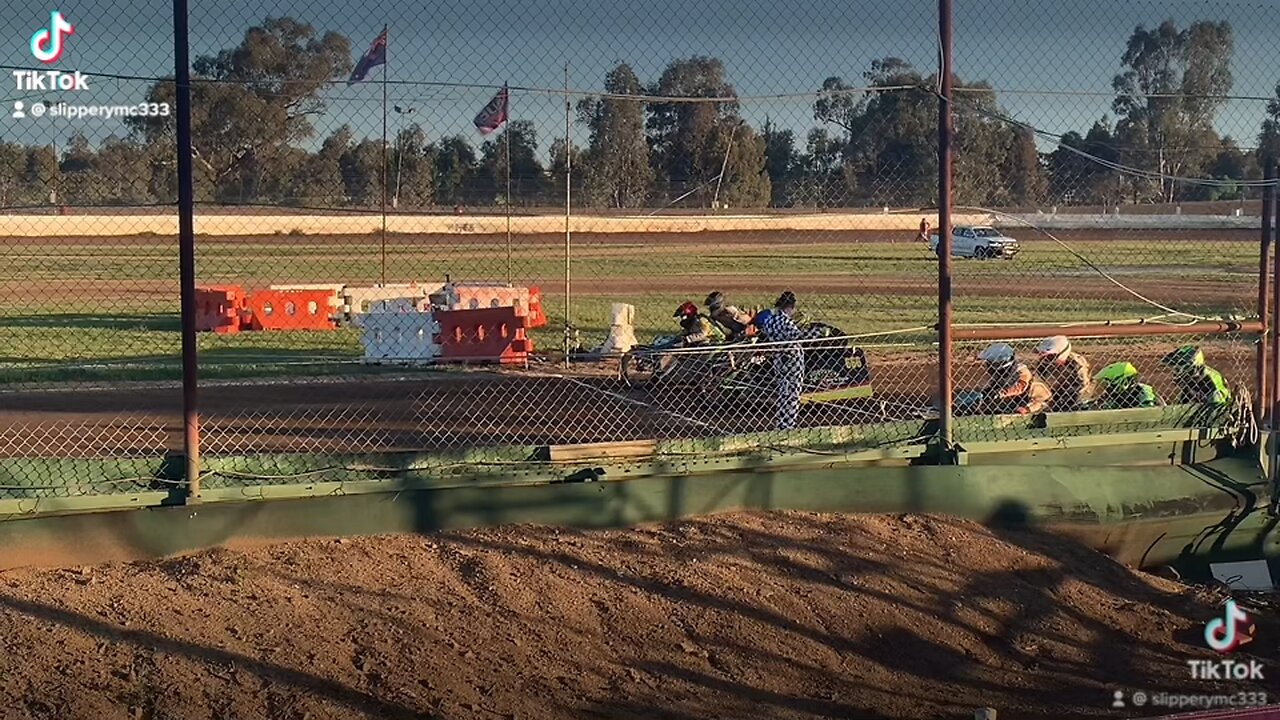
(1038, 48)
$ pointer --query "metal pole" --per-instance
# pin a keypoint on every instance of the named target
(395, 197)
(1262, 381)
(715, 201)
(386, 66)
(945, 389)
(507, 134)
(186, 253)
(1109, 330)
(1273, 466)
(568, 237)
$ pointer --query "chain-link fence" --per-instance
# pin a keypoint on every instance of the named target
(390, 200)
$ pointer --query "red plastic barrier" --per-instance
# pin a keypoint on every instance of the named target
(219, 308)
(485, 335)
(290, 310)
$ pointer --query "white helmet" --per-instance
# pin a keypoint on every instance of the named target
(1057, 347)
(998, 356)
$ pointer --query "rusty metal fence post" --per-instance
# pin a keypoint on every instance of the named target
(945, 389)
(186, 252)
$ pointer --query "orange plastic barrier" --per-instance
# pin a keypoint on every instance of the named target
(290, 310)
(219, 308)
(537, 318)
(485, 335)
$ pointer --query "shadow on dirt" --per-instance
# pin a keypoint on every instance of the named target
(315, 685)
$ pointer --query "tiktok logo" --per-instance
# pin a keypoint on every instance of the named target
(1223, 634)
(46, 43)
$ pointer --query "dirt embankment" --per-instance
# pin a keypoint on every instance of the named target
(748, 615)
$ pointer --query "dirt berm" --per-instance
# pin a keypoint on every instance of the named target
(754, 615)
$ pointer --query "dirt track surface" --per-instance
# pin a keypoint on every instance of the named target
(381, 415)
(779, 615)
(437, 411)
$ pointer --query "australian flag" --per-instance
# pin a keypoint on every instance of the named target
(377, 55)
(494, 114)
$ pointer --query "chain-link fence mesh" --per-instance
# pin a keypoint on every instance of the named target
(89, 291)
(636, 158)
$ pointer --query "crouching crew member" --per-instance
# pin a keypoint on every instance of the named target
(1066, 372)
(1011, 387)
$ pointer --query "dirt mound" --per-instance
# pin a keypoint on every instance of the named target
(745, 615)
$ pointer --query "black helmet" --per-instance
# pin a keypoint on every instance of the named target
(715, 300)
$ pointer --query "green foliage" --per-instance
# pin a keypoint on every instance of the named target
(745, 182)
(521, 139)
(455, 162)
(319, 182)
(13, 172)
(256, 105)
(363, 172)
(680, 132)
(617, 172)
(1077, 179)
(413, 170)
(1167, 98)
(270, 90)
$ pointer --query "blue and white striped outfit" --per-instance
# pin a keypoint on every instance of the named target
(788, 365)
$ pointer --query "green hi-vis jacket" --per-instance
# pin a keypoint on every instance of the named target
(1204, 385)
(1132, 395)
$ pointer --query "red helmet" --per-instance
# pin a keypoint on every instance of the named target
(686, 310)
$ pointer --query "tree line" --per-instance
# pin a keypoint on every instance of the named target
(254, 104)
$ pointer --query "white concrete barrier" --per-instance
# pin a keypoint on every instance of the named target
(1129, 222)
(300, 226)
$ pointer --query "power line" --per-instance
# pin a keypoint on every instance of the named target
(1118, 167)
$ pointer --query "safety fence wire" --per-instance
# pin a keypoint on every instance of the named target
(695, 162)
(452, 249)
(1123, 189)
(89, 311)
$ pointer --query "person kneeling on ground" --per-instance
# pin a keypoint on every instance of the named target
(1197, 382)
(1119, 387)
(735, 323)
(1066, 372)
(1011, 387)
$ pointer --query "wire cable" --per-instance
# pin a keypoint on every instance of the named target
(1118, 167)
(1137, 295)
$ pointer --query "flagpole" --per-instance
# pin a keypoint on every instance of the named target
(507, 133)
(386, 67)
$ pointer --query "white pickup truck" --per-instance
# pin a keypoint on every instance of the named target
(977, 241)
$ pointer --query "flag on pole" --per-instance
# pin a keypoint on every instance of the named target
(376, 55)
(494, 114)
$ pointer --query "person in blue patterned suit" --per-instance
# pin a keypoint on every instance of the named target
(779, 326)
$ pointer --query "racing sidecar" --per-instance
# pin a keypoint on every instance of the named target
(835, 369)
